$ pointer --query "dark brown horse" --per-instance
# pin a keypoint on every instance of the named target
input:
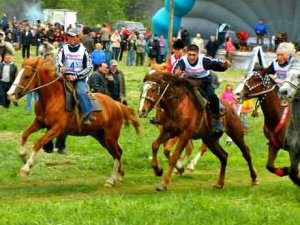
(39, 74)
(260, 85)
(183, 119)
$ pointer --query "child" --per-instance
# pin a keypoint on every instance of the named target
(98, 56)
(228, 95)
(229, 47)
(247, 107)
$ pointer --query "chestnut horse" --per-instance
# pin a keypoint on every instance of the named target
(183, 119)
(260, 85)
(40, 74)
(290, 93)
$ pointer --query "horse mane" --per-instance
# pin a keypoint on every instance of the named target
(46, 64)
(182, 83)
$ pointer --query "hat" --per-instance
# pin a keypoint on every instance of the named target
(113, 62)
(73, 32)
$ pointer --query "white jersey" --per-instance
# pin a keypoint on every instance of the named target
(280, 71)
(196, 71)
(74, 60)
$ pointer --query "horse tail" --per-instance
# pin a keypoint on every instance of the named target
(130, 117)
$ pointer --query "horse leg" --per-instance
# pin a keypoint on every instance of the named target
(181, 163)
(272, 153)
(162, 138)
(192, 164)
(295, 166)
(35, 126)
(110, 142)
(50, 134)
(173, 160)
(235, 131)
(218, 151)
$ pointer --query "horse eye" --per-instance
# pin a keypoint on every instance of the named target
(27, 77)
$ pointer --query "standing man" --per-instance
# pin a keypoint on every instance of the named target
(260, 31)
(118, 90)
(100, 81)
(197, 67)
(26, 40)
(212, 47)
(8, 71)
(74, 62)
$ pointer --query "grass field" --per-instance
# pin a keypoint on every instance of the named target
(69, 189)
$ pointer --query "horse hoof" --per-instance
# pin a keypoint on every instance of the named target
(189, 171)
(255, 183)
(159, 172)
(24, 173)
(161, 187)
(217, 186)
(180, 171)
(109, 182)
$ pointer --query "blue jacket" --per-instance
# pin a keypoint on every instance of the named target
(98, 56)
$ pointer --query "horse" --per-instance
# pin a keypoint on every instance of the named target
(182, 118)
(289, 94)
(40, 74)
(259, 84)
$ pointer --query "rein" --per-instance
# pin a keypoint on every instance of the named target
(35, 74)
(163, 93)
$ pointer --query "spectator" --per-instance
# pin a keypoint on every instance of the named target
(131, 48)
(229, 47)
(212, 47)
(98, 56)
(153, 49)
(118, 90)
(260, 31)
(199, 42)
(247, 107)
(116, 44)
(8, 71)
(29, 99)
(46, 49)
(26, 41)
(162, 50)
(140, 50)
(105, 37)
(5, 47)
(228, 95)
(100, 81)
(243, 39)
(185, 37)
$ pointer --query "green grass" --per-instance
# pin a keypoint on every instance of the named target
(69, 189)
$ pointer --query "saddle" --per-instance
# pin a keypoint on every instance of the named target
(72, 100)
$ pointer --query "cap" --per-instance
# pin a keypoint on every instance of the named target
(73, 32)
(113, 62)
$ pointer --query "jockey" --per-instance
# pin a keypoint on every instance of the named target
(279, 66)
(74, 63)
(178, 47)
(197, 66)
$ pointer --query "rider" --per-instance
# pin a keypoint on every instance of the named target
(279, 66)
(197, 66)
(74, 63)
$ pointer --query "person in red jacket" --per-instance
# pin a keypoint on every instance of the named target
(178, 51)
(243, 39)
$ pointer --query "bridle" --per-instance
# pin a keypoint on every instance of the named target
(265, 82)
(33, 76)
(152, 100)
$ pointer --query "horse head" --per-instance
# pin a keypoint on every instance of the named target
(34, 73)
(290, 90)
(256, 84)
(152, 91)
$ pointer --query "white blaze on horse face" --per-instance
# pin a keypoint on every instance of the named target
(12, 89)
(146, 87)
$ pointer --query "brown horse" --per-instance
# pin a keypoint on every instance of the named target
(183, 119)
(260, 85)
(39, 74)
